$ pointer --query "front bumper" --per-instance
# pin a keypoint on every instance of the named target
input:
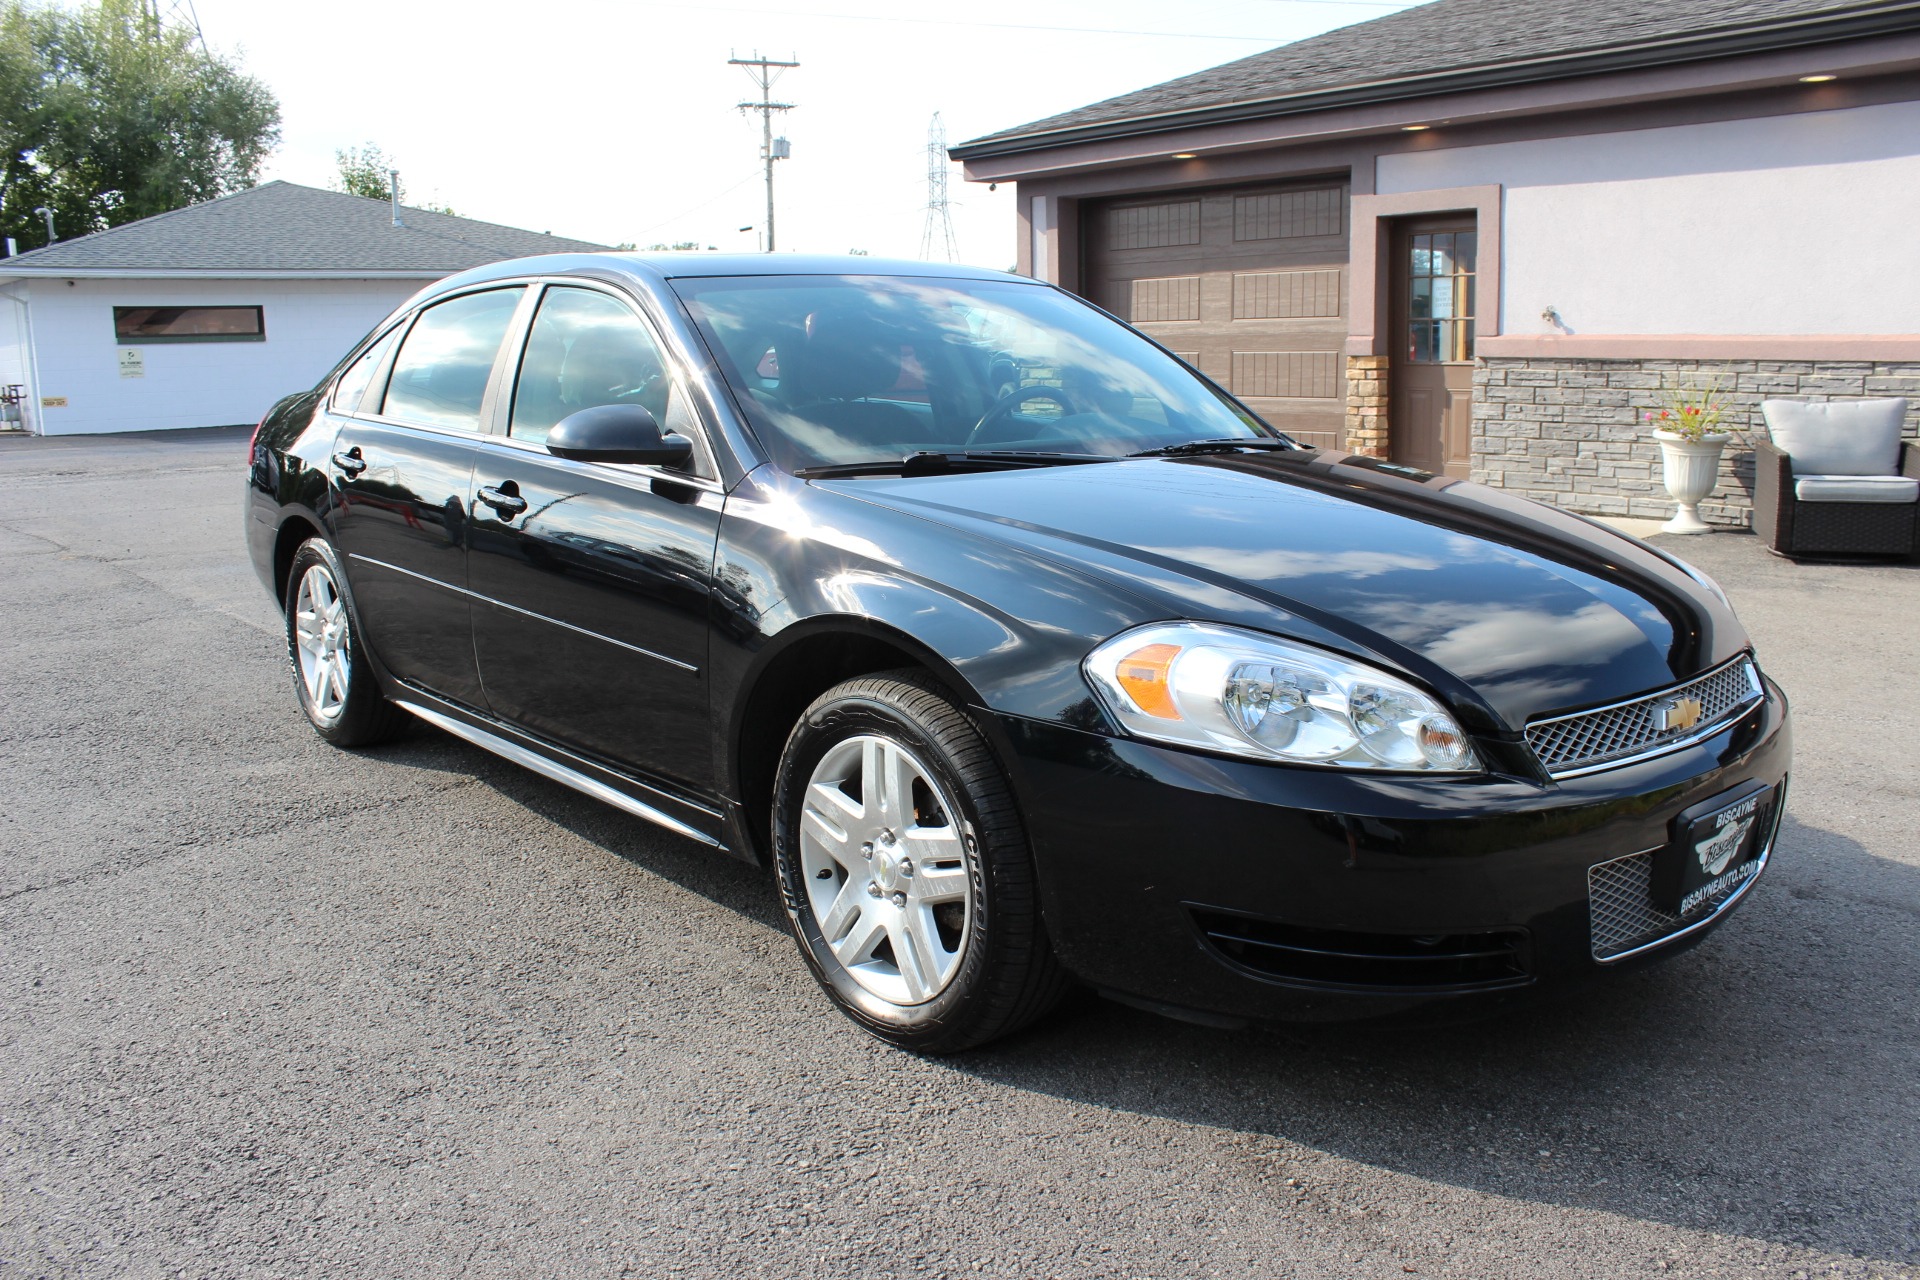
(1174, 879)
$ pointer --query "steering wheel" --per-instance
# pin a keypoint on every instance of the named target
(1011, 400)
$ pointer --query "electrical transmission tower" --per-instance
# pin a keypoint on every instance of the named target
(763, 72)
(938, 230)
(175, 13)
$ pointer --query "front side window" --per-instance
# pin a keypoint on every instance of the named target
(189, 324)
(586, 349)
(855, 369)
(440, 376)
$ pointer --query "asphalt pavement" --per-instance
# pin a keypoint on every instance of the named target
(271, 1009)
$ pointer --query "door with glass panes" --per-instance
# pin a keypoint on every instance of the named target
(1430, 384)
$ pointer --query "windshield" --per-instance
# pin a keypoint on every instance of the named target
(837, 370)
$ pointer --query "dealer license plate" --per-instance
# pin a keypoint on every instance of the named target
(1713, 848)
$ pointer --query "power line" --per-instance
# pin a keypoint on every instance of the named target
(938, 229)
(763, 72)
(713, 199)
(174, 13)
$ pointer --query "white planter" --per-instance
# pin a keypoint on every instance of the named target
(1691, 470)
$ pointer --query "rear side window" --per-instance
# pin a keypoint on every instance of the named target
(440, 376)
(352, 387)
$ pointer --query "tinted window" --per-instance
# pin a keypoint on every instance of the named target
(352, 386)
(440, 376)
(871, 368)
(189, 324)
(586, 349)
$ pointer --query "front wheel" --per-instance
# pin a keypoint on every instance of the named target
(905, 869)
(339, 693)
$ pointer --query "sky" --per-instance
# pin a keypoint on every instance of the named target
(617, 122)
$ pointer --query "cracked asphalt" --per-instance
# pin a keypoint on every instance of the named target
(272, 1009)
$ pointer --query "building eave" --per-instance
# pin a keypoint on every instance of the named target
(209, 273)
(1800, 31)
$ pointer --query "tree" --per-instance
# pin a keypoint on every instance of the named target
(107, 117)
(364, 172)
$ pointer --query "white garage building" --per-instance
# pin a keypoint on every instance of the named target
(207, 315)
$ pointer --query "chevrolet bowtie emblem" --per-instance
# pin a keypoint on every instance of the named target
(1681, 713)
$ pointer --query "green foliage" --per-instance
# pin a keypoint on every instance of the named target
(678, 244)
(363, 172)
(106, 117)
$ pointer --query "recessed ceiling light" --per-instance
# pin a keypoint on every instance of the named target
(1415, 128)
(1185, 155)
(1822, 78)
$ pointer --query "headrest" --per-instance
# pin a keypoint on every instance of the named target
(842, 356)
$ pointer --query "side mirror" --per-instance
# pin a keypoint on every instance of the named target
(617, 433)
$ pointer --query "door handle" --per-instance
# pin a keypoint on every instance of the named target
(504, 499)
(350, 462)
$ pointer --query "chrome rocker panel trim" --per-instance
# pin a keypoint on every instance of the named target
(560, 773)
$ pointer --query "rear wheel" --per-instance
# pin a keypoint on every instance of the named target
(340, 695)
(905, 869)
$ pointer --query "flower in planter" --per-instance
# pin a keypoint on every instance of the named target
(1692, 412)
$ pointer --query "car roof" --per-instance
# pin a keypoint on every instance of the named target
(653, 267)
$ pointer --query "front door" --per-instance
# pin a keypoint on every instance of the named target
(1430, 384)
(591, 581)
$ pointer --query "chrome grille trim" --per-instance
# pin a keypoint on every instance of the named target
(1625, 732)
(1622, 918)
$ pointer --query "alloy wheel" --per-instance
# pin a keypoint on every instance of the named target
(321, 643)
(885, 862)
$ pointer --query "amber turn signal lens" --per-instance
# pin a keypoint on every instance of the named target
(1144, 675)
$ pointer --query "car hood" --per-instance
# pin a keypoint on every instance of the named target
(1507, 608)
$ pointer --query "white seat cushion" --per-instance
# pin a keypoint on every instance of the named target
(1856, 489)
(1839, 438)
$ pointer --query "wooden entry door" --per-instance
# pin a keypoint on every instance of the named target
(1430, 384)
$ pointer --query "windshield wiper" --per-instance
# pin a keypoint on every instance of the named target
(1216, 446)
(933, 462)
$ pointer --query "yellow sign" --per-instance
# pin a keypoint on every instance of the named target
(53, 402)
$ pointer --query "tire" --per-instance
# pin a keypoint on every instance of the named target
(338, 691)
(937, 955)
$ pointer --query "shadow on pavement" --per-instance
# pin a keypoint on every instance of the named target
(1758, 1085)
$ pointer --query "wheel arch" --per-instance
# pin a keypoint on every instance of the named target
(799, 665)
(294, 530)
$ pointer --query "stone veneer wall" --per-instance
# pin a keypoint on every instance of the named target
(1367, 405)
(1573, 432)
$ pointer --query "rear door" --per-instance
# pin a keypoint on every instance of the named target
(402, 465)
(592, 581)
(1247, 284)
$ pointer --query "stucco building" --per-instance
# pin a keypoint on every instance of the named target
(207, 315)
(1481, 236)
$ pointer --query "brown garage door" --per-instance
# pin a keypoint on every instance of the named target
(1248, 284)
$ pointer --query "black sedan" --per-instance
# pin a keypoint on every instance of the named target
(1021, 652)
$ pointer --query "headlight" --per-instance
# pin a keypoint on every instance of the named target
(1237, 691)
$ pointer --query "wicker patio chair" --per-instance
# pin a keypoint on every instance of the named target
(1836, 479)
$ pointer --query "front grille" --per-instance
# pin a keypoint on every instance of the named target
(1620, 906)
(1380, 961)
(1572, 744)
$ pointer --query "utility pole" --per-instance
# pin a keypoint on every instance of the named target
(939, 224)
(763, 72)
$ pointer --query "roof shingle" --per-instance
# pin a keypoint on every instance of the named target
(1442, 36)
(282, 226)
